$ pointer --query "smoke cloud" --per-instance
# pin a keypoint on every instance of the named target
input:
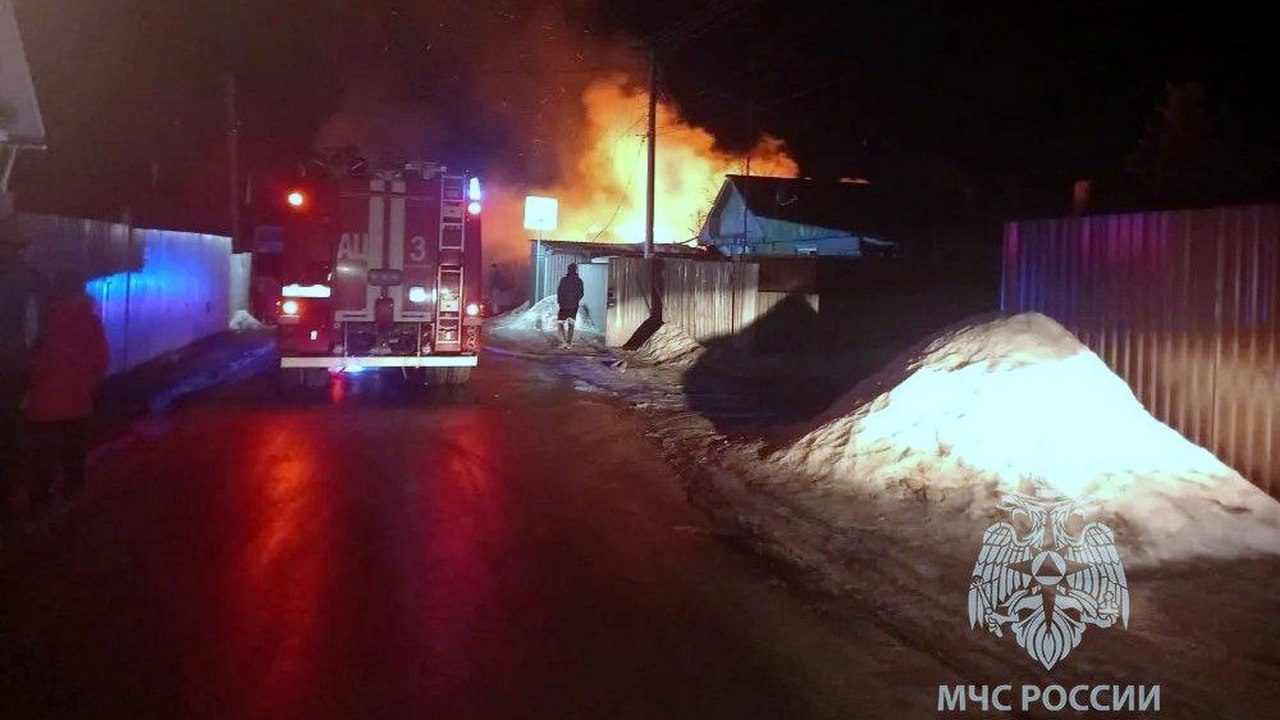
(538, 100)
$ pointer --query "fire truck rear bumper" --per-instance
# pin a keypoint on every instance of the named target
(380, 361)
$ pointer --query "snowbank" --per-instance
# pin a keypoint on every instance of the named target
(536, 330)
(1018, 403)
(542, 316)
(667, 344)
(242, 320)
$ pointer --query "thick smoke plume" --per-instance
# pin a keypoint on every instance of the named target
(537, 100)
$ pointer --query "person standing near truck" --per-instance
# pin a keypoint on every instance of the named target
(497, 289)
(70, 361)
(569, 296)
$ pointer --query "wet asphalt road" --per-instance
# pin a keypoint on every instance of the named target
(515, 550)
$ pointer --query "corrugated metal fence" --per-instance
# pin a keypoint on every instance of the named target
(93, 247)
(708, 299)
(1184, 305)
(156, 290)
(547, 268)
(629, 304)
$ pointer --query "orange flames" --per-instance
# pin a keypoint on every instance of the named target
(603, 197)
(602, 185)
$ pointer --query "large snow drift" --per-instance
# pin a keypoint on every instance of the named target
(1000, 404)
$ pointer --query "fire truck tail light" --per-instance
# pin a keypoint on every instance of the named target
(307, 291)
(296, 199)
(289, 307)
(474, 207)
(473, 309)
(417, 294)
(473, 189)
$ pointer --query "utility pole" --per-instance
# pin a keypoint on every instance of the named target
(751, 125)
(651, 137)
(233, 162)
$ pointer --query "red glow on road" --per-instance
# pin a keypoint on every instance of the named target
(277, 580)
(465, 537)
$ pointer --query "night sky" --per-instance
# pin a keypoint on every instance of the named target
(1004, 102)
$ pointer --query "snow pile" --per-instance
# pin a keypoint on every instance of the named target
(669, 343)
(242, 320)
(536, 330)
(991, 407)
(542, 316)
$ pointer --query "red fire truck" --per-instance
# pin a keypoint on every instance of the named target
(381, 269)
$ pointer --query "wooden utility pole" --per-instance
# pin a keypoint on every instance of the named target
(651, 138)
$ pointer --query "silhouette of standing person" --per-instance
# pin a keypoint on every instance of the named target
(70, 360)
(569, 296)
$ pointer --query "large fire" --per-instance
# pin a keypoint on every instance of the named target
(601, 189)
(602, 193)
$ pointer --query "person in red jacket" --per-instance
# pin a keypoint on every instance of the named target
(69, 361)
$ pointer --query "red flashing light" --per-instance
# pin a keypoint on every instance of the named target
(296, 199)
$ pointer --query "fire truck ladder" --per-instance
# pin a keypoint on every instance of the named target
(450, 277)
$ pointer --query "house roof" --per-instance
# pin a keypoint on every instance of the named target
(859, 209)
(598, 249)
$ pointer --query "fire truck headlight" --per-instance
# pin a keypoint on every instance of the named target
(417, 294)
(289, 307)
(473, 309)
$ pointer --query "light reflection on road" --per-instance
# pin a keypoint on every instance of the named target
(275, 583)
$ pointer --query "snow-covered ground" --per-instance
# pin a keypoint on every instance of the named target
(1019, 404)
(535, 330)
(983, 409)
(886, 495)
(669, 344)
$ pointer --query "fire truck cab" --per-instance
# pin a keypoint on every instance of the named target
(381, 269)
